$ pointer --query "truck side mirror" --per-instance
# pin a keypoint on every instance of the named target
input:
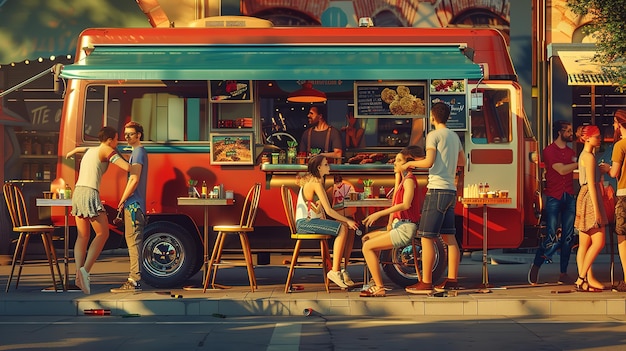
(57, 81)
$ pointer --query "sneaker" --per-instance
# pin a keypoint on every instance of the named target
(448, 284)
(346, 278)
(128, 286)
(78, 282)
(337, 278)
(621, 287)
(83, 278)
(533, 275)
(419, 288)
(565, 279)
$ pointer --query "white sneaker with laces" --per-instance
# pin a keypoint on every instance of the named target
(128, 286)
(346, 278)
(337, 278)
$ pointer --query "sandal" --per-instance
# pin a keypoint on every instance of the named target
(374, 291)
(584, 286)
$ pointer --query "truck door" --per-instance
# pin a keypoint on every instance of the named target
(492, 145)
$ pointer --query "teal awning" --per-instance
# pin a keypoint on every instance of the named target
(274, 62)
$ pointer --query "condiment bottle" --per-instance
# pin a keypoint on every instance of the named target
(68, 192)
(381, 192)
(204, 190)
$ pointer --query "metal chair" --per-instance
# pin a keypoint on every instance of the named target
(21, 224)
(248, 215)
(323, 239)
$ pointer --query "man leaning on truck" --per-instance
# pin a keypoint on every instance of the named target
(560, 163)
(133, 203)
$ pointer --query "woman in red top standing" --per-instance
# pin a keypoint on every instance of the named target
(404, 214)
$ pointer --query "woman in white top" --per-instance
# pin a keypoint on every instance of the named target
(310, 208)
(87, 206)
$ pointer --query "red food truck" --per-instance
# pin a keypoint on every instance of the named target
(194, 88)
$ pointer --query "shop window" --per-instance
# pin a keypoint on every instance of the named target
(491, 124)
(170, 112)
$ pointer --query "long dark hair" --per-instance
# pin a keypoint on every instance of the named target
(412, 152)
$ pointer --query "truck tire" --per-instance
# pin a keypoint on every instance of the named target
(169, 255)
(399, 267)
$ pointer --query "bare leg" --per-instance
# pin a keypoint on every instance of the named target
(621, 248)
(584, 241)
(454, 256)
(101, 227)
(371, 251)
(595, 244)
(82, 240)
(347, 252)
(338, 246)
(428, 260)
(591, 279)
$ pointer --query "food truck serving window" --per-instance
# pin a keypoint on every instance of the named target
(170, 112)
(491, 124)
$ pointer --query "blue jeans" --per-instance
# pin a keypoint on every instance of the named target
(565, 210)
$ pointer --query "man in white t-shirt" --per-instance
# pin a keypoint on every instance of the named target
(444, 153)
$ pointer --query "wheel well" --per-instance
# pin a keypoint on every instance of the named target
(182, 220)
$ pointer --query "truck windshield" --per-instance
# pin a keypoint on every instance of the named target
(170, 112)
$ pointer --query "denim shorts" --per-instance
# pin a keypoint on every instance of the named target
(318, 226)
(437, 213)
(402, 231)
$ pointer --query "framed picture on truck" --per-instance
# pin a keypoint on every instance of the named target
(232, 149)
(230, 91)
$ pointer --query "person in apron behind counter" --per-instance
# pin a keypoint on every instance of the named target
(321, 135)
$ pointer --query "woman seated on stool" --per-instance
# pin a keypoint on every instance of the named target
(404, 214)
(311, 205)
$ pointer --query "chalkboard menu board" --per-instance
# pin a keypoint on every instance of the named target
(390, 99)
(458, 109)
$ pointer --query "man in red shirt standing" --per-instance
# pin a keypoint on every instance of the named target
(560, 205)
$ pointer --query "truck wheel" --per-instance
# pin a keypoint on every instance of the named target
(399, 267)
(168, 255)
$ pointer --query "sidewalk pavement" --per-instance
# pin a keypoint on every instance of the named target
(507, 272)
